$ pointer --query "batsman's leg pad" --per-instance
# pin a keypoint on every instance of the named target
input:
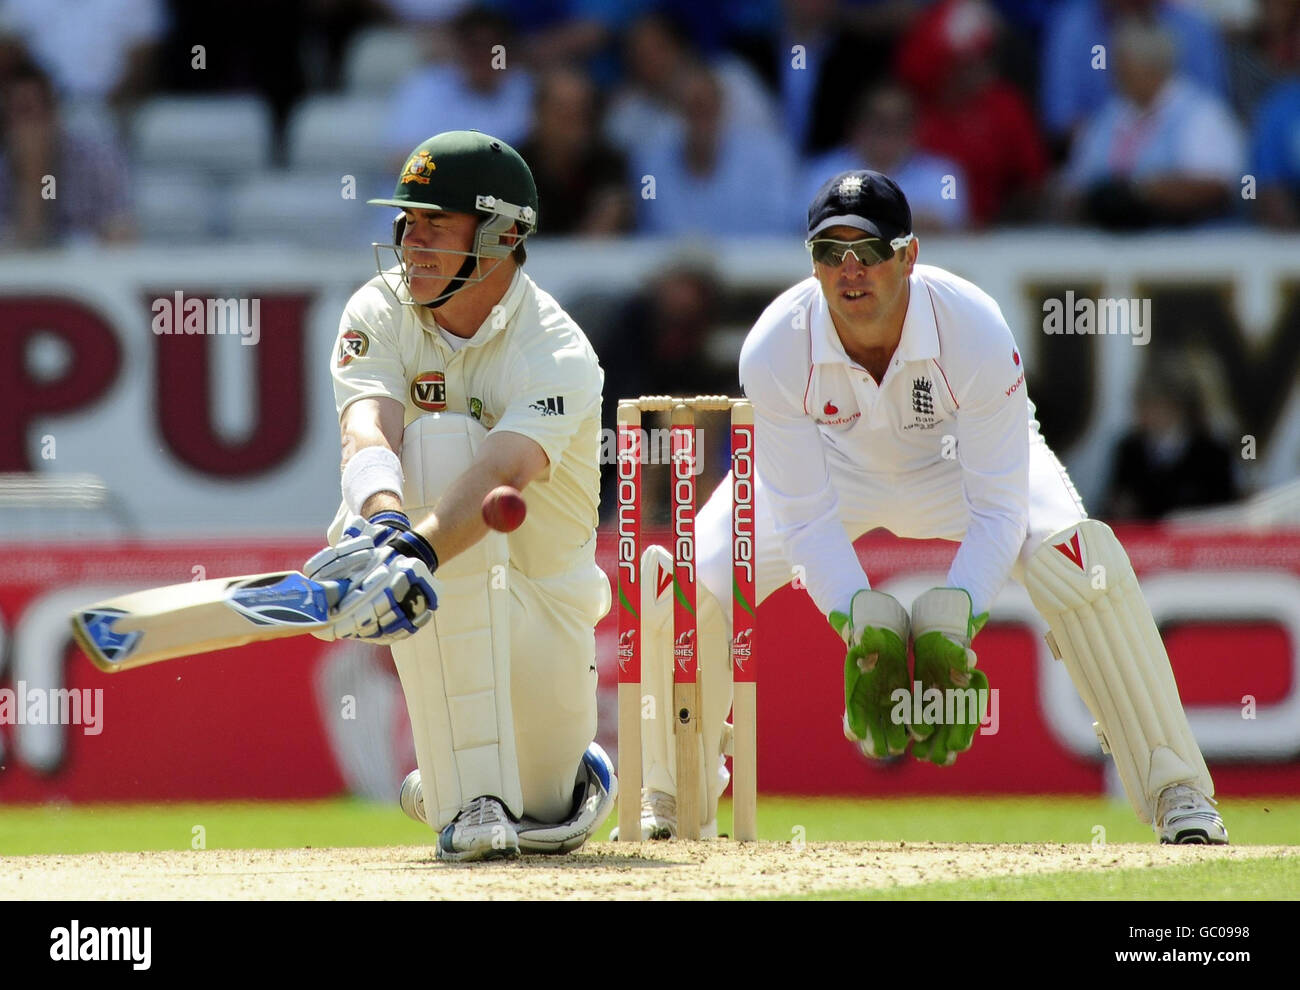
(658, 749)
(1082, 583)
(455, 672)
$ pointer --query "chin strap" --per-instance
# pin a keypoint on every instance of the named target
(457, 282)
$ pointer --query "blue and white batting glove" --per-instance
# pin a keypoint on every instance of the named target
(392, 602)
(366, 544)
(387, 570)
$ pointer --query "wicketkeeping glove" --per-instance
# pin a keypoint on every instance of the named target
(875, 670)
(944, 628)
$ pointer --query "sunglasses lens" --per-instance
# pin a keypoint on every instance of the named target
(868, 251)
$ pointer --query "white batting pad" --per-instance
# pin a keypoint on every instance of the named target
(1083, 584)
(455, 672)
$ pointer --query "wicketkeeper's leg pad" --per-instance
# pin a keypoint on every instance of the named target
(455, 672)
(1082, 583)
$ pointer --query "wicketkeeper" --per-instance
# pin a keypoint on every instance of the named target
(891, 394)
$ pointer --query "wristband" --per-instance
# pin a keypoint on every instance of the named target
(369, 471)
(391, 519)
(412, 544)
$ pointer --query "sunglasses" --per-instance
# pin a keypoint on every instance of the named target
(867, 251)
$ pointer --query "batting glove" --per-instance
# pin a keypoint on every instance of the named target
(367, 544)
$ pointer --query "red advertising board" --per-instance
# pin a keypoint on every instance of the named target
(301, 718)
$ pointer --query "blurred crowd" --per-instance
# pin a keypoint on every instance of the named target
(661, 117)
(163, 121)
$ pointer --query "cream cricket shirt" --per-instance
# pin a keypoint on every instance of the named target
(528, 369)
(950, 414)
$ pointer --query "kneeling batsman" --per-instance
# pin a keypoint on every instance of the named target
(483, 797)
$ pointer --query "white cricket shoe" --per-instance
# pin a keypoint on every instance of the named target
(412, 798)
(482, 830)
(659, 818)
(1185, 816)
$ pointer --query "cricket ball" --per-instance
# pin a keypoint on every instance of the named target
(504, 509)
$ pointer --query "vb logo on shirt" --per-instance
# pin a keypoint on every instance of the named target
(429, 391)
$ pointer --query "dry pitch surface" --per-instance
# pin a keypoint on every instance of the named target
(603, 871)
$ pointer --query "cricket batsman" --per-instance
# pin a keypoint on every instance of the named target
(455, 374)
(891, 394)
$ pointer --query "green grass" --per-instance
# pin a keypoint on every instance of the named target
(1267, 878)
(35, 829)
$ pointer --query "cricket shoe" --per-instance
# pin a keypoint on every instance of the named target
(659, 818)
(482, 830)
(1185, 816)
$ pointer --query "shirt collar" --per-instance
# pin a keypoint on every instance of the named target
(919, 340)
(499, 317)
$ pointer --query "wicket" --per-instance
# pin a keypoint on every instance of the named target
(686, 686)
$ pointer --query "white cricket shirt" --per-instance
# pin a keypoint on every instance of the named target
(528, 369)
(954, 391)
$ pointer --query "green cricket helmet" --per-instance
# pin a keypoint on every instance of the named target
(465, 172)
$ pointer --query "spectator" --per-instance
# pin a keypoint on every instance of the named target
(1073, 90)
(1162, 151)
(1263, 51)
(56, 186)
(814, 59)
(571, 33)
(471, 91)
(969, 113)
(582, 183)
(1275, 156)
(658, 56)
(883, 138)
(424, 12)
(95, 52)
(299, 46)
(1170, 459)
(710, 174)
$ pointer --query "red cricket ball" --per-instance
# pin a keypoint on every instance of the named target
(504, 509)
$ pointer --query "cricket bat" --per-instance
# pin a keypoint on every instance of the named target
(145, 627)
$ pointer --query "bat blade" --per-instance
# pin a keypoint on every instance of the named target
(145, 627)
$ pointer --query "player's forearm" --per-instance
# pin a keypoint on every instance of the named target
(456, 523)
(369, 423)
(984, 560)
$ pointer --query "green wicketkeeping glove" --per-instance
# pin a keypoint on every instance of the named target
(944, 628)
(875, 670)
